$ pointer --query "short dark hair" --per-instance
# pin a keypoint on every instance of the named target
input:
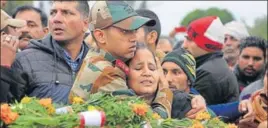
(82, 7)
(254, 41)
(150, 14)
(42, 14)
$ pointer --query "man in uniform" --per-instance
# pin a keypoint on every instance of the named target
(113, 25)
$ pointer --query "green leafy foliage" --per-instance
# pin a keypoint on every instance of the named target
(225, 15)
(260, 27)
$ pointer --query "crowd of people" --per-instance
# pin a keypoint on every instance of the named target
(219, 68)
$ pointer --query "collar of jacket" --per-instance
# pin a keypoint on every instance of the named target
(60, 51)
(107, 56)
(204, 58)
(245, 80)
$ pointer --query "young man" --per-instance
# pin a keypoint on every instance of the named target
(113, 25)
(251, 61)
(36, 27)
(150, 34)
(179, 69)
(214, 81)
(50, 65)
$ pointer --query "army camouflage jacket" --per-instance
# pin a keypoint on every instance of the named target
(101, 72)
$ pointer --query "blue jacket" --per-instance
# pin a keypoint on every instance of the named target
(228, 111)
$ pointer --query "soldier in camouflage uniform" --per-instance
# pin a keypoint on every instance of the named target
(113, 25)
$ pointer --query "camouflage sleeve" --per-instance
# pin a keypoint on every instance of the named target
(97, 75)
(162, 103)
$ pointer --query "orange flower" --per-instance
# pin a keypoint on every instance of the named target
(45, 102)
(140, 109)
(231, 126)
(50, 109)
(197, 124)
(156, 116)
(202, 116)
(7, 115)
(78, 100)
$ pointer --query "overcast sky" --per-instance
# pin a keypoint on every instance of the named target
(171, 13)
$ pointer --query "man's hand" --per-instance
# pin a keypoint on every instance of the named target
(198, 105)
(9, 46)
(163, 80)
(247, 121)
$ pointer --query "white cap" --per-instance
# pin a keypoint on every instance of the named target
(236, 29)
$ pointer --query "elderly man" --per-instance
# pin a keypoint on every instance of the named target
(234, 31)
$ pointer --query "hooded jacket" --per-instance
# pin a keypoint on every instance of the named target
(47, 73)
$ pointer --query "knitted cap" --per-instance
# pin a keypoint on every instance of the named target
(183, 59)
(207, 33)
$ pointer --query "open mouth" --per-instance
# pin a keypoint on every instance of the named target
(58, 30)
(146, 82)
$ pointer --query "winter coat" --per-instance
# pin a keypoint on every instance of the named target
(214, 81)
(48, 74)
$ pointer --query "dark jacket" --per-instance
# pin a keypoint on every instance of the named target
(244, 81)
(181, 104)
(12, 86)
(214, 81)
(250, 89)
(48, 73)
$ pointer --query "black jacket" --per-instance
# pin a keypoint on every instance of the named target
(181, 104)
(214, 81)
(48, 73)
(244, 81)
(12, 86)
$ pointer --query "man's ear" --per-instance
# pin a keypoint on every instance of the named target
(99, 36)
(151, 38)
(45, 30)
(3, 33)
(86, 24)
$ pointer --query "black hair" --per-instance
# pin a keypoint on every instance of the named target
(147, 29)
(140, 46)
(42, 14)
(254, 41)
(82, 7)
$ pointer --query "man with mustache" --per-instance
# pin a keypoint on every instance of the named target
(36, 27)
(233, 31)
(50, 65)
(250, 64)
